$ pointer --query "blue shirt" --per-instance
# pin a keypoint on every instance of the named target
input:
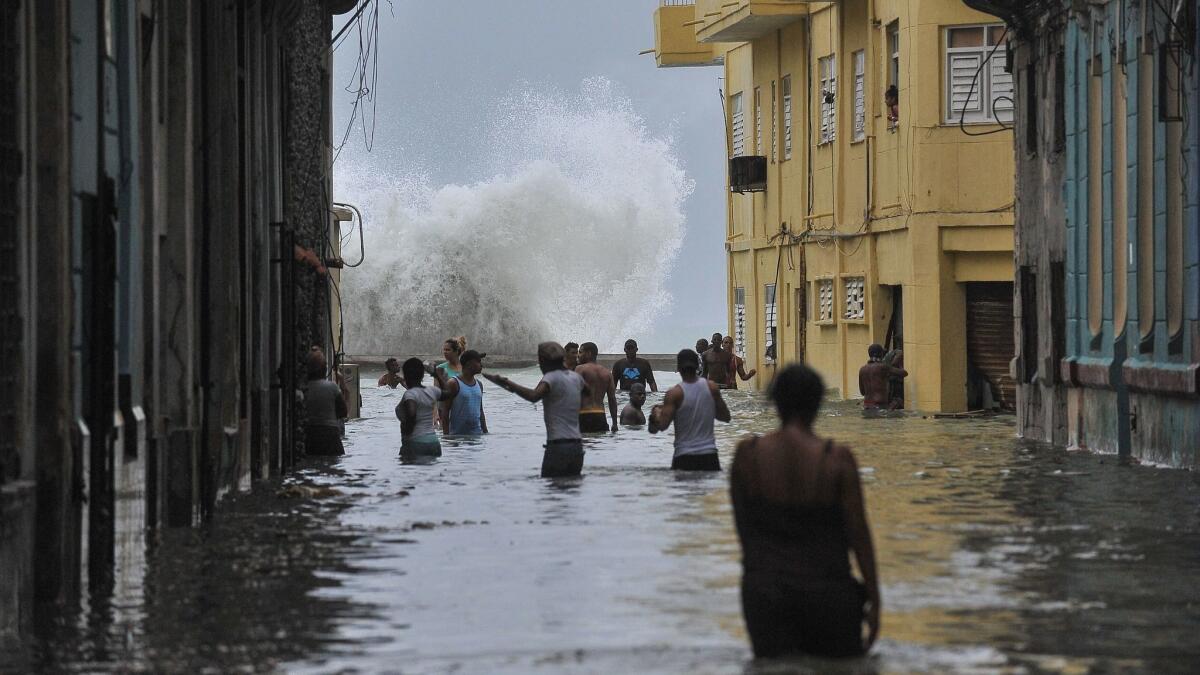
(466, 409)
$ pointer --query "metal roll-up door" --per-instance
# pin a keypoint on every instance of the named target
(990, 344)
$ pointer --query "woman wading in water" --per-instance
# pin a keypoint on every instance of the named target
(451, 368)
(798, 507)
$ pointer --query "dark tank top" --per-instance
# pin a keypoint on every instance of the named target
(806, 541)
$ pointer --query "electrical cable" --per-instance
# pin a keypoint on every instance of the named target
(962, 114)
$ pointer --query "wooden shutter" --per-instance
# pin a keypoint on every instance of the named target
(1001, 87)
(739, 130)
(860, 101)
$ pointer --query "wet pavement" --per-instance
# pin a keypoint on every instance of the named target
(995, 556)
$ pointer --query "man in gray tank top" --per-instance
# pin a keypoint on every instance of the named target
(561, 391)
(693, 405)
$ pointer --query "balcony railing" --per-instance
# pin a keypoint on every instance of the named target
(745, 20)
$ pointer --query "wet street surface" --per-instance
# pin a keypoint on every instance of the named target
(994, 555)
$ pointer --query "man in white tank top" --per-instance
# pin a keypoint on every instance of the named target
(561, 391)
(693, 405)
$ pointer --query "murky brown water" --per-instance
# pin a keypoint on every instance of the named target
(995, 556)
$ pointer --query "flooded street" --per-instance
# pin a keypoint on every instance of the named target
(994, 556)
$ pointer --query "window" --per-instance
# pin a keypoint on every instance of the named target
(893, 41)
(774, 122)
(1095, 225)
(860, 95)
(856, 299)
(758, 137)
(739, 130)
(787, 116)
(978, 88)
(827, 69)
(739, 321)
(769, 317)
(1145, 200)
(824, 301)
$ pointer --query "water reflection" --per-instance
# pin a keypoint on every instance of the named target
(995, 556)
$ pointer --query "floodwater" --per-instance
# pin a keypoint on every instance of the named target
(995, 556)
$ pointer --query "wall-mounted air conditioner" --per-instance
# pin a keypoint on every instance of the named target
(748, 174)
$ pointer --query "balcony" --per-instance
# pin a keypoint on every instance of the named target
(745, 20)
(675, 42)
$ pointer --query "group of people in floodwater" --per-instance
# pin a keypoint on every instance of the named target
(797, 498)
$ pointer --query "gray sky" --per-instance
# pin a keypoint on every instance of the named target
(443, 65)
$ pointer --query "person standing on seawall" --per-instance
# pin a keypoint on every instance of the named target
(466, 416)
(325, 407)
(633, 369)
(561, 392)
(692, 404)
(798, 508)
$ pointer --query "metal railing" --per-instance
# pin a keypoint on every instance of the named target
(676, 3)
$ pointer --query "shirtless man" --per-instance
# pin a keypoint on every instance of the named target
(873, 379)
(631, 414)
(391, 377)
(718, 363)
(740, 365)
(572, 358)
(600, 381)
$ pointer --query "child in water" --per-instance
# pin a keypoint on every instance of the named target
(632, 413)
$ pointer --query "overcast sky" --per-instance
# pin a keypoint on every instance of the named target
(442, 65)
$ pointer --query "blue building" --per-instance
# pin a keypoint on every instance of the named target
(1108, 225)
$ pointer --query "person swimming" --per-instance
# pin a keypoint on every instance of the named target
(391, 376)
(466, 417)
(692, 404)
(561, 392)
(798, 508)
(415, 412)
(631, 414)
(600, 383)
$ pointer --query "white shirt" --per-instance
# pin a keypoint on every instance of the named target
(425, 397)
(694, 420)
(560, 406)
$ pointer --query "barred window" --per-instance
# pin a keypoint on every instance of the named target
(856, 299)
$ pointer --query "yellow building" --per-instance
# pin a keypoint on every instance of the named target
(857, 225)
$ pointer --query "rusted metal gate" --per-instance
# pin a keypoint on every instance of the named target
(10, 174)
(990, 343)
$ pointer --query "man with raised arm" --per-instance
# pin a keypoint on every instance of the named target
(692, 404)
(599, 382)
(561, 392)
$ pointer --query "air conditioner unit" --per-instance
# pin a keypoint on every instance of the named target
(748, 174)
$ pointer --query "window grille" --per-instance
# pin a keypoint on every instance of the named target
(739, 131)
(787, 117)
(825, 300)
(827, 67)
(990, 99)
(856, 299)
(739, 321)
(860, 95)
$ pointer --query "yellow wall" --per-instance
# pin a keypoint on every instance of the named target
(932, 213)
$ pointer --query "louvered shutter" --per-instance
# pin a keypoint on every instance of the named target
(965, 101)
(860, 101)
(1002, 87)
(758, 137)
(787, 127)
(739, 131)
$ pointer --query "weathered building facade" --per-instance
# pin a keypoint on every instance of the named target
(852, 221)
(165, 170)
(1107, 226)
